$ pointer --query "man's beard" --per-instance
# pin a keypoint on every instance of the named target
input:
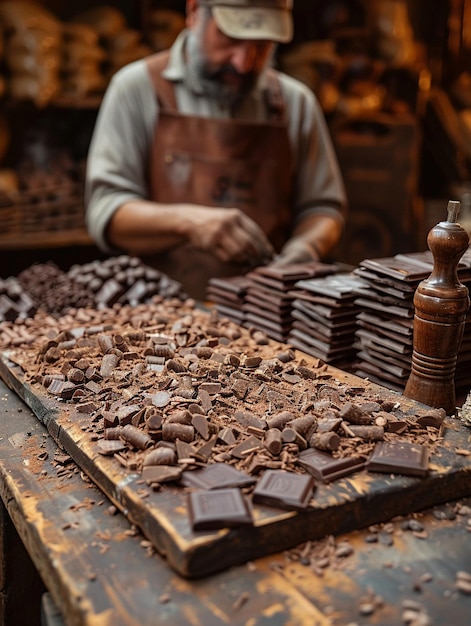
(224, 84)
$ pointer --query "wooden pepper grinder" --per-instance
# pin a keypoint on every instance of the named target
(441, 304)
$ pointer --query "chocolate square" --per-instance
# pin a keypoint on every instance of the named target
(220, 508)
(399, 457)
(326, 468)
(216, 476)
(284, 489)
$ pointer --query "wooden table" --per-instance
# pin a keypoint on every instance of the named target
(101, 572)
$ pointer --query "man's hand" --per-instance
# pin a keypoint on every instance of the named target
(296, 250)
(229, 234)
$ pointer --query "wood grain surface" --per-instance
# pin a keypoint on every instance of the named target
(347, 504)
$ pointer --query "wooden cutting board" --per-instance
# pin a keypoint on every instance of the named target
(344, 505)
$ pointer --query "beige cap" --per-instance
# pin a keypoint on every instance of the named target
(254, 19)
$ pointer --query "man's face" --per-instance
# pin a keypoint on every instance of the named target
(228, 68)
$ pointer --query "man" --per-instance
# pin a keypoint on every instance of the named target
(207, 162)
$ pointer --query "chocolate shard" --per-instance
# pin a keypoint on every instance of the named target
(216, 476)
(161, 473)
(399, 457)
(245, 447)
(210, 510)
(326, 468)
(108, 447)
(284, 489)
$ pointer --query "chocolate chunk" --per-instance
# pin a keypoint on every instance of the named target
(227, 436)
(184, 450)
(135, 437)
(110, 292)
(63, 389)
(201, 425)
(244, 448)
(107, 447)
(160, 456)
(216, 476)
(204, 452)
(161, 473)
(354, 414)
(326, 468)
(272, 441)
(284, 489)
(222, 508)
(399, 457)
(245, 418)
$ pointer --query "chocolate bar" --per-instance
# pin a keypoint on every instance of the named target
(216, 476)
(338, 287)
(220, 508)
(261, 312)
(390, 309)
(399, 457)
(378, 321)
(235, 284)
(326, 468)
(284, 489)
(400, 269)
(382, 281)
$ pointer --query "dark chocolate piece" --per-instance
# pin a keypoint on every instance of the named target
(399, 457)
(284, 489)
(161, 473)
(110, 292)
(245, 447)
(237, 284)
(216, 476)
(400, 269)
(108, 447)
(210, 510)
(326, 468)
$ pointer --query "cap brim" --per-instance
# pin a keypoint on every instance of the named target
(254, 23)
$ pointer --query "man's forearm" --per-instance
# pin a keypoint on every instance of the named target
(142, 227)
(322, 232)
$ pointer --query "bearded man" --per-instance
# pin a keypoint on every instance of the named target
(205, 161)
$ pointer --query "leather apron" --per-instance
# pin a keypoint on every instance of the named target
(220, 163)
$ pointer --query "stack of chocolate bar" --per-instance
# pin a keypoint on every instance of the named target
(386, 320)
(386, 317)
(228, 295)
(267, 304)
(324, 318)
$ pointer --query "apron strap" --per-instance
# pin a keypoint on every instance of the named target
(156, 63)
(274, 98)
